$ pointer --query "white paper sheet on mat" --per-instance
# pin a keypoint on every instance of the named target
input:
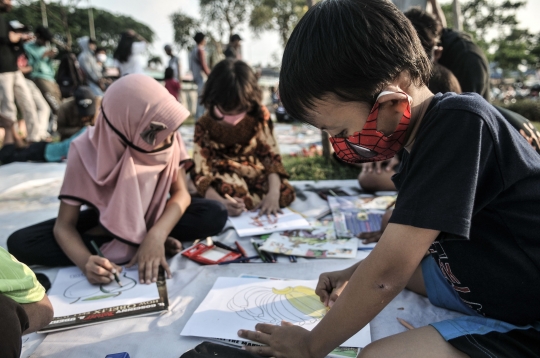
(71, 292)
(236, 303)
(250, 224)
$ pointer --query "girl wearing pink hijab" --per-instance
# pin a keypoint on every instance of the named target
(124, 168)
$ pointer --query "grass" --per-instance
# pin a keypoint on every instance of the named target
(318, 168)
(537, 125)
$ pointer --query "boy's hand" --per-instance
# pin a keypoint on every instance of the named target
(270, 204)
(235, 208)
(150, 256)
(286, 340)
(331, 284)
(100, 270)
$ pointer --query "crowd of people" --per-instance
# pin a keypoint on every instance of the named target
(392, 104)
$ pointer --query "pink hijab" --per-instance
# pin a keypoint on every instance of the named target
(113, 168)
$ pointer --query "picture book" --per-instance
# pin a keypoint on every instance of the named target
(77, 302)
(251, 224)
(357, 214)
(318, 242)
(236, 303)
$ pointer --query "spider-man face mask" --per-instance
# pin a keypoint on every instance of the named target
(370, 145)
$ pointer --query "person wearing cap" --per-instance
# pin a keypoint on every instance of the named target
(77, 112)
(174, 63)
(198, 66)
(233, 50)
(12, 83)
(40, 56)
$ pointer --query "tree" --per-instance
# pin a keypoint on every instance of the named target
(184, 28)
(217, 13)
(67, 22)
(280, 15)
(511, 46)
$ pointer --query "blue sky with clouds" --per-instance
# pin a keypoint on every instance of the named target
(155, 13)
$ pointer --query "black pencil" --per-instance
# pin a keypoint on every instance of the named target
(100, 254)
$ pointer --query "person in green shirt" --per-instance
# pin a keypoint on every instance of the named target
(40, 56)
(24, 306)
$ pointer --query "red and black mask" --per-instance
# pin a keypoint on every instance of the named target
(371, 145)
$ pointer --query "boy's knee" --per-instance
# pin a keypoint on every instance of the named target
(14, 244)
(370, 351)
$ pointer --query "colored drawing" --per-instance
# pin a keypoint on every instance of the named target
(236, 303)
(84, 291)
(71, 293)
(297, 304)
(250, 224)
(320, 242)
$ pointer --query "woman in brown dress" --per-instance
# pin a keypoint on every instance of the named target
(237, 160)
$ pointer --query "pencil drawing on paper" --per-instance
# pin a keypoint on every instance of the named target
(298, 304)
(84, 291)
(268, 222)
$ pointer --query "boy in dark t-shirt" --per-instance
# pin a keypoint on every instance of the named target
(469, 193)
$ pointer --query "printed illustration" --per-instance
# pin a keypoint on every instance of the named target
(297, 304)
(85, 291)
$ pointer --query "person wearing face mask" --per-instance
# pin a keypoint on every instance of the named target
(89, 65)
(129, 170)
(464, 231)
(235, 152)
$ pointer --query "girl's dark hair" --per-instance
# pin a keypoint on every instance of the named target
(232, 85)
(351, 49)
(427, 27)
(169, 73)
(123, 51)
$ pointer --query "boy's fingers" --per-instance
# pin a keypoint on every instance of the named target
(378, 167)
(148, 272)
(141, 271)
(155, 270)
(103, 262)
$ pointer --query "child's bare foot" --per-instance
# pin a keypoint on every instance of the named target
(172, 246)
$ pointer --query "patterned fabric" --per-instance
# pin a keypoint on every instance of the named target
(237, 160)
(17, 281)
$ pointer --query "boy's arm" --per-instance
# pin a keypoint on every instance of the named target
(375, 282)
(40, 314)
(202, 59)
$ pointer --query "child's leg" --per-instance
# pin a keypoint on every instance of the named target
(36, 244)
(202, 218)
(417, 343)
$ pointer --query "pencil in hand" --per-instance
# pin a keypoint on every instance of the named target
(100, 254)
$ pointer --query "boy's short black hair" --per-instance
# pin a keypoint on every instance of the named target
(43, 33)
(351, 49)
(169, 73)
(199, 36)
(232, 85)
(427, 27)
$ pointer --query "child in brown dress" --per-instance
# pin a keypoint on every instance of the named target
(236, 156)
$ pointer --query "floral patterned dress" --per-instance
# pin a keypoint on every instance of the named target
(237, 160)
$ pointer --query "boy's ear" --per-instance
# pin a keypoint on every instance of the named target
(391, 109)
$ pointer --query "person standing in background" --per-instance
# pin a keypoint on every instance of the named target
(89, 65)
(234, 48)
(129, 53)
(40, 56)
(11, 79)
(174, 63)
(171, 83)
(198, 66)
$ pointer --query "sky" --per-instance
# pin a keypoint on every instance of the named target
(256, 50)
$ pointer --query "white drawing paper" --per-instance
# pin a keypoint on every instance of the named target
(236, 303)
(250, 224)
(72, 294)
(320, 242)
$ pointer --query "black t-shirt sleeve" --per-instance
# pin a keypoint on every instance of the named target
(452, 158)
(4, 31)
